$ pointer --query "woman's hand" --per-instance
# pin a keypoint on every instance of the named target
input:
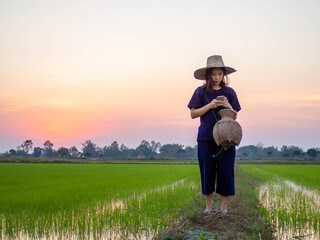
(223, 103)
(197, 112)
(215, 103)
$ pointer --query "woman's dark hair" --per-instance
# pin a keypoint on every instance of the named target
(208, 85)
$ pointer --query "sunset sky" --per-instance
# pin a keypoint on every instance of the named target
(123, 70)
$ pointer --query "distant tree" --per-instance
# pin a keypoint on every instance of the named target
(163, 151)
(285, 152)
(48, 144)
(291, 151)
(125, 151)
(181, 153)
(285, 155)
(270, 152)
(260, 150)
(63, 152)
(245, 154)
(99, 151)
(144, 149)
(260, 145)
(20, 152)
(170, 150)
(12, 152)
(148, 150)
(123, 147)
(89, 149)
(155, 146)
(27, 146)
(296, 153)
(48, 151)
(112, 150)
(251, 150)
(191, 152)
(74, 152)
(37, 151)
(5, 154)
(312, 152)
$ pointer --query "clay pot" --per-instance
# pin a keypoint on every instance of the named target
(227, 131)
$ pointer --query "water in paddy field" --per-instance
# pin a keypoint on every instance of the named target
(293, 210)
(137, 217)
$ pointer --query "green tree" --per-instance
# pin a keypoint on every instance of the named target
(89, 149)
(12, 152)
(27, 146)
(170, 150)
(146, 149)
(74, 152)
(297, 153)
(245, 154)
(312, 152)
(181, 153)
(48, 151)
(37, 151)
(260, 150)
(155, 146)
(63, 152)
(191, 152)
(113, 150)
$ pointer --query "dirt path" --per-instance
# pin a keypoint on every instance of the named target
(244, 222)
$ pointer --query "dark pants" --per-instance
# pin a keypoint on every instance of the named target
(218, 170)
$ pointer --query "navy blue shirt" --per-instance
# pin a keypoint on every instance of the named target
(208, 120)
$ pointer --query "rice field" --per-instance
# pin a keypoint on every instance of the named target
(289, 199)
(90, 201)
(136, 201)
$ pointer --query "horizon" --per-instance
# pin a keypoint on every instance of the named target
(79, 146)
(123, 71)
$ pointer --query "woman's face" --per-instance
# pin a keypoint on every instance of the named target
(217, 75)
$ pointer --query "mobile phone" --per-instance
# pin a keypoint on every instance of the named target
(220, 98)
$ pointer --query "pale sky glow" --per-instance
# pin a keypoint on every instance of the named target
(123, 70)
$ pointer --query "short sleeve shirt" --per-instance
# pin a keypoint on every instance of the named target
(207, 120)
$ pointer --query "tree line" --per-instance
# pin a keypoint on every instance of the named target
(114, 150)
(154, 149)
(285, 152)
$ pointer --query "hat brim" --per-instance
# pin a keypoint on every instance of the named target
(201, 72)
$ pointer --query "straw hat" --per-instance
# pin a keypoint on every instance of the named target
(212, 61)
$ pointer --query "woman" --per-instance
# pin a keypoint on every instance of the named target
(217, 173)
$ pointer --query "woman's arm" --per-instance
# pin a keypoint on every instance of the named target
(197, 112)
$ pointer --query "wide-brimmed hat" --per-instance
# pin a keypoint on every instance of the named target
(212, 61)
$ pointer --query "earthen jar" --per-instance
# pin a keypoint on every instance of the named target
(227, 131)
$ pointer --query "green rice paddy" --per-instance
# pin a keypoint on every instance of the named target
(290, 199)
(121, 201)
(92, 200)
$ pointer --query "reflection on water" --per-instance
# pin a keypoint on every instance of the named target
(105, 235)
(293, 210)
(138, 216)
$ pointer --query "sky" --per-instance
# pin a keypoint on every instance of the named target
(106, 71)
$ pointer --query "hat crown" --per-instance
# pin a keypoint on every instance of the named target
(212, 61)
(215, 61)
